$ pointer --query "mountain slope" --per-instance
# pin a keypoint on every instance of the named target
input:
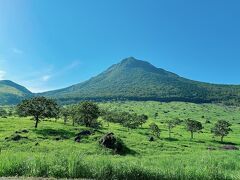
(12, 93)
(134, 79)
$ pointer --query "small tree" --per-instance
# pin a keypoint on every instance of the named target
(3, 112)
(65, 114)
(171, 124)
(72, 109)
(142, 119)
(130, 121)
(155, 129)
(221, 128)
(39, 108)
(87, 113)
(193, 126)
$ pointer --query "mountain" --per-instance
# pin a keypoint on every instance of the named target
(133, 79)
(12, 93)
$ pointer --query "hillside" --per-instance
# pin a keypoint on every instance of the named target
(133, 79)
(51, 151)
(12, 93)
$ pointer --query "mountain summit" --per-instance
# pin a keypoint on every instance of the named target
(133, 79)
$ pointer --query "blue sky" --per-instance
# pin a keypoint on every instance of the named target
(47, 45)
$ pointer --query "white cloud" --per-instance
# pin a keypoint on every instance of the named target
(2, 75)
(46, 77)
(17, 51)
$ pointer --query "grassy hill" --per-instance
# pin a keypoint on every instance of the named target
(12, 93)
(132, 79)
(50, 150)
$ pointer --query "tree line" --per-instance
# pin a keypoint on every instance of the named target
(87, 113)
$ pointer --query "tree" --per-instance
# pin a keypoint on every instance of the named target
(87, 113)
(129, 120)
(3, 112)
(193, 126)
(72, 110)
(132, 121)
(65, 114)
(171, 124)
(39, 108)
(155, 129)
(142, 119)
(107, 115)
(116, 117)
(221, 128)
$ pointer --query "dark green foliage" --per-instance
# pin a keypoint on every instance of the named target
(139, 80)
(65, 113)
(155, 129)
(71, 111)
(193, 126)
(86, 113)
(3, 112)
(129, 120)
(142, 119)
(39, 108)
(221, 128)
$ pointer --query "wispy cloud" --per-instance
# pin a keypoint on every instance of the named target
(45, 77)
(17, 51)
(2, 74)
(67, 68)
(38, 81)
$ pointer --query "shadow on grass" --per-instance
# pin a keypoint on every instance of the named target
(63, 134)
(121, 149)
(128, 151)
(226, 143)
(171, 139)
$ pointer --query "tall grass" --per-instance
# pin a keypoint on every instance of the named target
(75, 165)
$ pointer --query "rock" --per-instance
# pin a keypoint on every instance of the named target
(58, 138)
(151, 139)
(84, 133)
(25, 131)
(77, 139)
(111, 142)
(119, 146)
(15, 137)
(108, 140)
(22, 131)
(81, 134)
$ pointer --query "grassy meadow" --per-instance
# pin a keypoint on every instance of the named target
(50, 150)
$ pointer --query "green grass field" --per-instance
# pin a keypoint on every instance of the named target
(50, 150)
